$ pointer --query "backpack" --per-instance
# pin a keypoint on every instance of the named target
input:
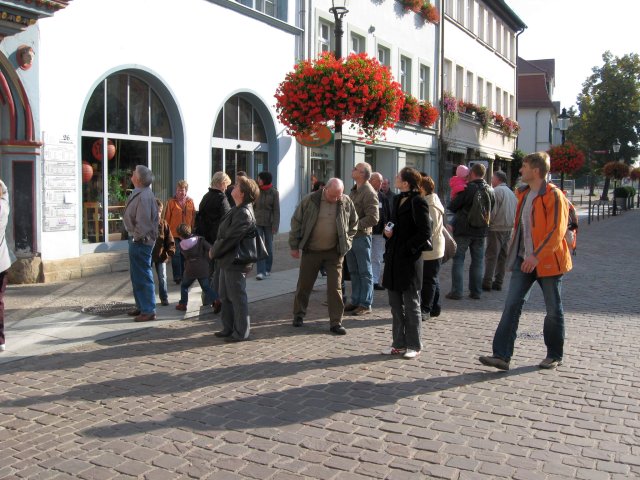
(479, 214)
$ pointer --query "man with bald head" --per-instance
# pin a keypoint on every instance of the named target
(322, 228)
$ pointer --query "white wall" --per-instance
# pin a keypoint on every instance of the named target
(202, 52)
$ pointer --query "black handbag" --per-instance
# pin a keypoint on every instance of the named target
(250, 249)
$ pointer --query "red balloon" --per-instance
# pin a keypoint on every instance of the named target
(87, 172)
(96, 149)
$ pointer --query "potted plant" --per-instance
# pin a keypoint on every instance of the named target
(428, 114)
(410, 112)
(620, 195)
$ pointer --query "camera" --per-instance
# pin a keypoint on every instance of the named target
(389, 226)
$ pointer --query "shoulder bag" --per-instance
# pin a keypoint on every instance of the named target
(251, 248)
(450, 245)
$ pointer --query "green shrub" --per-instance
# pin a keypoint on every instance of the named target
(621, 192)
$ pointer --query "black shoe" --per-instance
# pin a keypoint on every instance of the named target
(222, 334)
(231, 339)
(164, 302)
(297, 321)
(177, 280)
(496, 286)
(486, 288)
(475, 296)
(217, 306)
(350, 307)
(377, 286)
(550, 363)
(453, 296)
(494, 362)
(338, 330)
(434, 313)
(134, 312)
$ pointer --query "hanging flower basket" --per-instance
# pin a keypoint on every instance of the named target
(359, 90)
(428, 114)
(410, 112)
(430, 13)
(450, 110)
(634, 175)
(617, 170)
(411, 5)
(565, 158)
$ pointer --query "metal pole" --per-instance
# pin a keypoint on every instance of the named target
(338, 13)
(562, 173)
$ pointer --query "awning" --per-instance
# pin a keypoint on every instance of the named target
(455, 149)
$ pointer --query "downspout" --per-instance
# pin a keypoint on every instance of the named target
(441, 125)
(518, 33)
(535, 130)
(302, 152)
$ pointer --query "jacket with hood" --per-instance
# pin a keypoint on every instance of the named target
(195, 251)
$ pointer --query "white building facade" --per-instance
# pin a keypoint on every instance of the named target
(479, 51)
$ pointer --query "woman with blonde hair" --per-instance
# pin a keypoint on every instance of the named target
(180, 209)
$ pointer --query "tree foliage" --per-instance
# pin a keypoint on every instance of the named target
(609, 108)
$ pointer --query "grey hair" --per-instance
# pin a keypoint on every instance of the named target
(367, 170)
(377, 175)
(334, 183)
(145, 175)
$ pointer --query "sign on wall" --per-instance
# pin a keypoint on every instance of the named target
(60, 191)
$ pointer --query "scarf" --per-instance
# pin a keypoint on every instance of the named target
(265, 187)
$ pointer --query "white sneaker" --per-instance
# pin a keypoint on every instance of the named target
(2, 347)
(411, 353)
(259, 276)
(268, 274)
(393, 351)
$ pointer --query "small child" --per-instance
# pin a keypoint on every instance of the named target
(459, 182)
(164, 248)
(195, 250)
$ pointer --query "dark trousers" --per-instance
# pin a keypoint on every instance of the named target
(310, 264)
(3, 287)
(430, 293)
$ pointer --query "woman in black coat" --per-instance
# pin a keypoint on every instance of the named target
(402, 275)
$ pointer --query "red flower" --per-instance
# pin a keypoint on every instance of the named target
(565, 158)
(428, 114)
(410, 112)
(617, 170)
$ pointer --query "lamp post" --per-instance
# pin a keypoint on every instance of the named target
(339, 10)
(563, 126)
(616, 149)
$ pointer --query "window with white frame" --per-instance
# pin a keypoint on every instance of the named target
(468, 96)
(384, 55)
(489, 29)
(513, 47)
(273, 8)
(357, 43)
(505, 104)
(498, 37)
(505, 41)
(448, 75)
(481, 22)
(425, 82)
(448, 7)
(471, 20)
(405, 74)
(325, 36)
(459, 82)
(512, 105)
(489, 104)
(480, 91)
(461, 10)
(499, 101)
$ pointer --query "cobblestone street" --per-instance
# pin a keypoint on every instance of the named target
(176, 402)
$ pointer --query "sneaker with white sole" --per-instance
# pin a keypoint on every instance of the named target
(550, 363)
(259, 276)
(268, 274)
(2, 347)
(411, 353)
(393, 351)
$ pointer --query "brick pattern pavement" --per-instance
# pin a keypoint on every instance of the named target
(175, 402)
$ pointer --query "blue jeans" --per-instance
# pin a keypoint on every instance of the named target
(140, 269)
(177, 262)
(265, 265)
(359, 263)
(476, 247)
(161, 271)
(210, 295)
(406, 326)
(519, 289)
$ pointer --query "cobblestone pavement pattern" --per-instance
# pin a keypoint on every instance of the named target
(176, 402)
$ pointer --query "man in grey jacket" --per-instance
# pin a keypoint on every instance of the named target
(503, 216)
(365, 199)
(141, 221)
(323, 227)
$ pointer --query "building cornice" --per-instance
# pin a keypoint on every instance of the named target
(16, 15)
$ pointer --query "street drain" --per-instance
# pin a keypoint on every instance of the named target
(530, 335)
(110, 309)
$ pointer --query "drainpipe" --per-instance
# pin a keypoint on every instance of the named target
(441, 150)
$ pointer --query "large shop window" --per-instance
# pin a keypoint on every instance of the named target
(239, 140)
(125, 124)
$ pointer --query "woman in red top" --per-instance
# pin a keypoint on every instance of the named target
(180, 209)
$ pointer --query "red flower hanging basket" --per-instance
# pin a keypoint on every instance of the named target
(410, 112)
(617, 170)
(565, 158)
(359, 90)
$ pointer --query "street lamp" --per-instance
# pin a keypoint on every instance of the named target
(339, 10)
(616, 149)
(563, 126)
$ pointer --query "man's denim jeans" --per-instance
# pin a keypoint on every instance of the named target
(476, 247)
(161, 271)
(359, 263)
(265, 265)
(140, 269)
(519, 289)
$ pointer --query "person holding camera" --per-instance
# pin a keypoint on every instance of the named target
(407, 236)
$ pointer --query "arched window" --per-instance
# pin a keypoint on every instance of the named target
(239, 139)
(125, 124)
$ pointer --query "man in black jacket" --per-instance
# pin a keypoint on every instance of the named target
(468, 236)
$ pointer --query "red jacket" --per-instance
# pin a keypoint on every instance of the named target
(549, 220)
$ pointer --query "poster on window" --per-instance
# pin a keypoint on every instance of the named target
(59, 170)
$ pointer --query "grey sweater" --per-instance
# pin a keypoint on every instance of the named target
(141, 216)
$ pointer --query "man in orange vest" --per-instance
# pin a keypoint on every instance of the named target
(538, 253)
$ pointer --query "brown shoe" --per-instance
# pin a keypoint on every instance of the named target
(217, 306)
(361, 311)
(349, 307)
(145, 317)
(134, 312)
